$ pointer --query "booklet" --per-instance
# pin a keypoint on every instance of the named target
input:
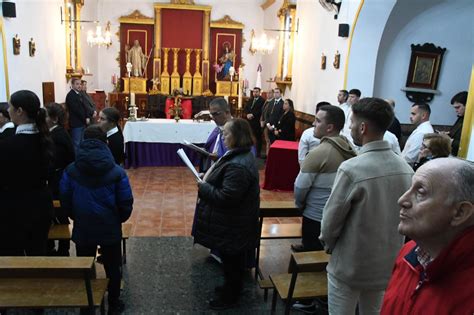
(195, 148)
(188, 163)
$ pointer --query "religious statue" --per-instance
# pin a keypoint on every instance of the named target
(337, 60)
(137, 58)
(32, 46)
(127, 51)
(226, 61)
(323, 62)
(16, 45)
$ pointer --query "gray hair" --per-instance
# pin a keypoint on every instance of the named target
(221, 103)
(463, 181)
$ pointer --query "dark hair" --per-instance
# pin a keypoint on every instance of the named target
(346, 94)
(376, 110)
(440, 145)
(290, 102)
(95, 132)
(30, 104)
(242, 136)
(57, 111)
(257, 88)
(83, 81)
(460, 97)
(74, 80)
(318, 106)
(334, 116)
(355, 92)
(5, 113)
(112, 115)
(221, 103)
(277, 88)
(423, 107)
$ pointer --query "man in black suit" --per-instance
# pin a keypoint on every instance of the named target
(274, 112)
(79, 114)
(253, 111)
(7, 128)
(88, 101)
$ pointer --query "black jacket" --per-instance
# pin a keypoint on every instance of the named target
(396, 128)
(255, 109)
(455, 134)
(274, 111)
(7, 133)
(116, 147)
(78, 111)
(228, 204)
(63, 156)
(286, 127)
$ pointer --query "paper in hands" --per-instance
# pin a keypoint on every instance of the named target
(188, 163)
(195, 148)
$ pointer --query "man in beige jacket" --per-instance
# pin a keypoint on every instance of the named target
(360, 219)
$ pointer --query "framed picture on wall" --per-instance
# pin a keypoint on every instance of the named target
(425, 64)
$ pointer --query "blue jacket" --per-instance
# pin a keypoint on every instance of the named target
(98, 193)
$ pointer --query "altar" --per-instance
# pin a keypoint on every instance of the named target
(154, 142)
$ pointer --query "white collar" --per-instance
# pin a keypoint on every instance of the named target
(6, 126)
(27, 129)
(277, 100)
(423, 124)
(52, 128)
(112, 131)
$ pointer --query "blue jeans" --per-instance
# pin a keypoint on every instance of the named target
(76, 135)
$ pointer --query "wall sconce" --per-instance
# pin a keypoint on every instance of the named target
(263, 44)
(98, 39)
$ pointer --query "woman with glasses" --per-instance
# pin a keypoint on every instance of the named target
(434, 145)
(227, 210)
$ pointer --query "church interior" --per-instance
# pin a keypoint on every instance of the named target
(162, 63)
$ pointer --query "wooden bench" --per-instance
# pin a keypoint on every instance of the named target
(64, 232)
(50, 282)
(272, 209)
(307, 279)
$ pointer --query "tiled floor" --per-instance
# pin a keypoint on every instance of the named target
(165, 199)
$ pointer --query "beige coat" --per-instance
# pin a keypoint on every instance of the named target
(361, 216)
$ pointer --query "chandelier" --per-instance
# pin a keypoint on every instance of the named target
(99, 39)
(262, 44)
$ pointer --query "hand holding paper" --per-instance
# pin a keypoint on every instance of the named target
(188, 163)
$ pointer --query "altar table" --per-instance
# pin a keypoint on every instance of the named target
(282, 166)
(154, 142)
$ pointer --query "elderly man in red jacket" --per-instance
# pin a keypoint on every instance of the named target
(434, 273)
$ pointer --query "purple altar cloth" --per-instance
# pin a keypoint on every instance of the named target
(140, 154)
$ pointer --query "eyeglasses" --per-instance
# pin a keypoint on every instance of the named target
(215, 114)
(424, 146)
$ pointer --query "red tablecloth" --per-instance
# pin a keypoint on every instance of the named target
(186, 106)
(282, 166)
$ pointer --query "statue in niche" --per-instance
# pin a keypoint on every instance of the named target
(323, 62)
(337, 60)
(137, 58)
(127, 51)
(16, 45)
(226, 61)
(32, 46)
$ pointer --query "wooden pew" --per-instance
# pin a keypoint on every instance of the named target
(307, 279)
(64, 232)
(50, 282)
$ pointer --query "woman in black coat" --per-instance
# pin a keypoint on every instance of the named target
(109, 120)
(227, 209)
(285, 127)
(26, 204)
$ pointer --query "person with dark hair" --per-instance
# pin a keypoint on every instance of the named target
(63, 156)
(285, 126)
(308, 141)
(109, 121)
(360, 218)
(99, 195)
(88, 101)
(27, 205)
(420, 117)
(353, 97)
(227, 210)
(458, 102)
(253, 112)
(434, 273)
(342, 97)
(7, 128)
(318, 172)
(79, 114)
(273, 113)
(395, 127)
(435, 145)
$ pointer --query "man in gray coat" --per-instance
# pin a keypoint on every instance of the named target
(360, 219)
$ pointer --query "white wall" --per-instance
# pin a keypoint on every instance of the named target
(90, 57)
(41, 21)
(446, 23)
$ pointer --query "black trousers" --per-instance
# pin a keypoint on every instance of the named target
(310, 235)
(257, 132)
(112, 258)
(234, 269)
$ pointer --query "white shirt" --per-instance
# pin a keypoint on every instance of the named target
(112, 131)
(27, 129)
(307, 142)
(346, 131)
(6, 126)
(392, 139)
(412, 147)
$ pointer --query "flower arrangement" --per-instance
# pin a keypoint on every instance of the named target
(176, 110)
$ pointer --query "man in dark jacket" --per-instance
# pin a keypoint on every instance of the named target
(99, 194)
(79, 114)
(253, 111)
(274, 111)
(459, 104)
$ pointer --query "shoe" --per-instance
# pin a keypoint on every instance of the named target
(116, 308)
(220, 304)
(308, 307)
(298, 248)
(217, 258)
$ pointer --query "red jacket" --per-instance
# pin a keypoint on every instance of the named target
(447, 287)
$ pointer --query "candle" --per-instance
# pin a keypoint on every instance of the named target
(241, 84)
(132, 98)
